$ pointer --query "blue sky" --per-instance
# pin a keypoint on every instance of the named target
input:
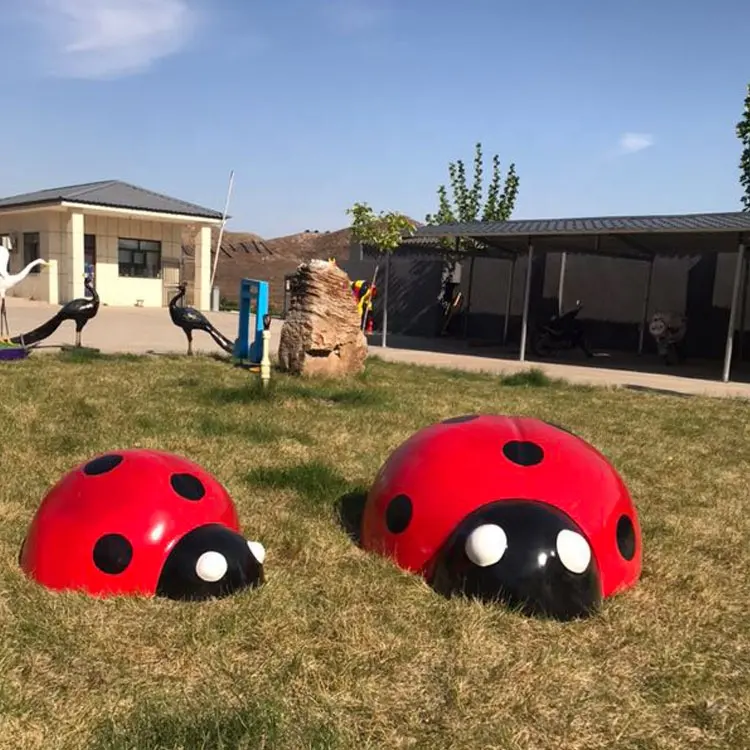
(606, 108)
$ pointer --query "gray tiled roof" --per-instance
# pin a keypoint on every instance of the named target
(112, 193)
(714, 222)
(637, 237)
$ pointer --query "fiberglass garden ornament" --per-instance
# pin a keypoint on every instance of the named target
(507, 509)
(140, 522)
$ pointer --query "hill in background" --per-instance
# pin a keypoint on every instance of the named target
(248, 255)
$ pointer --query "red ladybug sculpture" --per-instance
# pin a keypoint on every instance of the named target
(140, 522)
(509, 509)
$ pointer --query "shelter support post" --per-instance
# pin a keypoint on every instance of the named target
(733, 312)
(743, 313)
(468, 297)
(383, 340)
(526, 299)
(561, 283)
(646, 305)
(509, 300)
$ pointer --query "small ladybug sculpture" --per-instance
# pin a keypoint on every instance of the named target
(508, 509)
(140, 522)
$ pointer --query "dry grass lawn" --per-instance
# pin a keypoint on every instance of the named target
(340, 649)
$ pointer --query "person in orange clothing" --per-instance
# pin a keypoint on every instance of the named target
(364, 291)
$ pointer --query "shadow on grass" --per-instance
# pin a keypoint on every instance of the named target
(531, 378)
(75, 356)
(656, 391)
(254, 725)
(257, 432)
(62, 445)
(314, 481)
(254, 391)
(350, 509)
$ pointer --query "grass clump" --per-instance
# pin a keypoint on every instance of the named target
(339, 649)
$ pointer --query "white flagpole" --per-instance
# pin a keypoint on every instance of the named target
(221, 230)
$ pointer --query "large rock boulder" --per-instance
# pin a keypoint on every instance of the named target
(321, 335)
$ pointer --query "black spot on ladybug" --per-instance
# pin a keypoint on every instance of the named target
(102, 464)
(523, 453)
(460, 420)
(112, 553)
(626, 537)
(398, 514)
(187, 486)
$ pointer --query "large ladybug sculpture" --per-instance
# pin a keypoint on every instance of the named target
(140, 522)
(506, 509)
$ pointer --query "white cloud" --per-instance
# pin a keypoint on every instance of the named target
(110, 38)
(630, 143)
(351, 16)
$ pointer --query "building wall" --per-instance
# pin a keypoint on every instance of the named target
(56, 242)
(122, 291)
(725, 268)
(610, 289)
(36, 285)
(413, 286)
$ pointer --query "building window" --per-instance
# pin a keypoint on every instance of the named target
(31, 250)
(139, 259)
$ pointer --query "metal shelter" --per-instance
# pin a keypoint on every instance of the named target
(642, 238)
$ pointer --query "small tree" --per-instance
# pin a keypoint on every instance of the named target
(743, 133)
(467, 202)
(385, 232)
(467, 206)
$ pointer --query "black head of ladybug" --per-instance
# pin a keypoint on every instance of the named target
(526, 554)
(211, 561)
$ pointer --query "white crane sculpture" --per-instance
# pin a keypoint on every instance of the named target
(9, 280)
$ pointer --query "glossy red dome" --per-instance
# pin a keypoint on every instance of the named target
(447, 474)
(111, 525)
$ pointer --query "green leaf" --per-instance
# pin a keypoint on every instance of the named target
(466, 204)
(384, 231)
(743, 133)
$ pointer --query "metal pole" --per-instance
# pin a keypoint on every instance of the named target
(509, 299)
(468, 297)
(366, 314)
(221, 229)
(383, 342)
(265, 360)
(526, 298)
(646, 305)
(561, 283)
(743, 313)
(733, 312)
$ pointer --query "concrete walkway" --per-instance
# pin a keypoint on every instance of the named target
(600, 376)
(143, 330)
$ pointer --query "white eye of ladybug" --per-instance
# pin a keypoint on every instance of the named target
(258, 551)
(211, 567)
(486, 545)
(573, 551)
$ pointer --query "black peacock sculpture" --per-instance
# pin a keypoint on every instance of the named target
(80, 311)
(190, 319)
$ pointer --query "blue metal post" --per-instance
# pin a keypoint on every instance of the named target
(251, 290)
(243, 331)
(261, 309)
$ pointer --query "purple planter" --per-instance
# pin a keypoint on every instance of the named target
(8, 353)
